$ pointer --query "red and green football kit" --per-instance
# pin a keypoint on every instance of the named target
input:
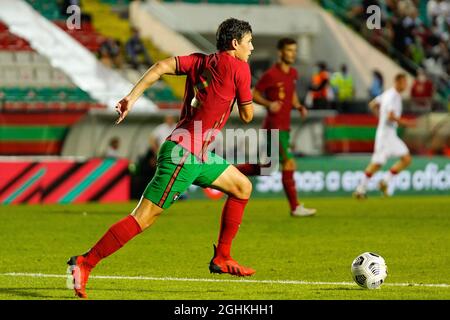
(277, 85)
(214, 82)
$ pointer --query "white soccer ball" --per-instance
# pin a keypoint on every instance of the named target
(369, 270)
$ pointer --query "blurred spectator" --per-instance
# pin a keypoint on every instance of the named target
(438, 9)
(377, 86)
(64, 4)
(342, 84)
(416, 51)
(414, 42)
(110, 53)
(422, 91)
(146, 166)
(402, 35)
(320, 87)
(135, 51)
(162, 131)
(112, 151)
(359, 11)
(381, 38)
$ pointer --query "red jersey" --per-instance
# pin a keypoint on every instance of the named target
(275, 84)
(214, 82)
(422, 89)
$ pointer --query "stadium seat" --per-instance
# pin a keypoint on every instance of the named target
(59, 79)
(29, 84)
(6, 58)
(23, 57)
(39, 59)
(3, 27)
(25, 74)
(43, 75)
(9, 76)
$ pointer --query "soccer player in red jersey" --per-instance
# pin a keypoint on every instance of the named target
(214, 82)
(276, 91)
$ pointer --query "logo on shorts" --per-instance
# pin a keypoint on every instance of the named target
(176, 196)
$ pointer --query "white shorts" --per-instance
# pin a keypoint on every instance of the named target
(387, 148)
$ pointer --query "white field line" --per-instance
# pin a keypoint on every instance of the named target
(295, 282)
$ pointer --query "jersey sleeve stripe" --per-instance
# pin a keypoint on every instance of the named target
(244, 103)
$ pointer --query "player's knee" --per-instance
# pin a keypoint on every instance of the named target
(291, 165)
(243, 188)
(147, 219)
(146, 215)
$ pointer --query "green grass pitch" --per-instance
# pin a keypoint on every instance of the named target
(411, 233)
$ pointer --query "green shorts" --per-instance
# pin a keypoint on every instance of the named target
(284, 145)
(177, 169)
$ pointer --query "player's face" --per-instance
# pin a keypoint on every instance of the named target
(289, 53)
(244, 48)
(401, 84)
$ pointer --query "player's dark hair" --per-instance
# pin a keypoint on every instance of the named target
(231, 29)
(400, 76)
(285, 42)
(322, 65)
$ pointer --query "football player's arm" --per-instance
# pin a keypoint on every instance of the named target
(374, 106)
(258, 97)
(244, 94)
(298, 105)
(153, 74)
(246, 112)
(401, 121)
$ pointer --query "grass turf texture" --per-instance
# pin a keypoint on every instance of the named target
(411, 233)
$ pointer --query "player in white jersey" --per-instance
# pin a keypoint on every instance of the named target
(388, 108)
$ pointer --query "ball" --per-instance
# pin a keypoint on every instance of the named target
(369, 270)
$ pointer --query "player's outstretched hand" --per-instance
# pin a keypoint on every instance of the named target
(122, 108)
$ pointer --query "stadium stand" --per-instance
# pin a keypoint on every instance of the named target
(25, 133)
(37, 86)
(97, 28)
(412, 34)
(87, 35)
(38, 103)
(167, 93)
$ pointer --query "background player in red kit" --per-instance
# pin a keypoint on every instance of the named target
(276, 90)
(213, 83)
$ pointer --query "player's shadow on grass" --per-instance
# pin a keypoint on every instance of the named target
(33, 292)
(154, 290)
(341, 288)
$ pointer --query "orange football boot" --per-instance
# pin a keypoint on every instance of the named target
(228, 265)
(79, 271)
